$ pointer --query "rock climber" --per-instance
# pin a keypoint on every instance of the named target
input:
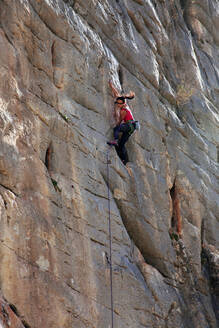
(125, 123)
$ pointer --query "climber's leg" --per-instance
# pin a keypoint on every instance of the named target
(117, 129)
(121, 151)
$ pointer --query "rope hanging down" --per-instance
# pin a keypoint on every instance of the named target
(110, 239)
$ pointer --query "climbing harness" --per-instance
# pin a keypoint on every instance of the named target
(133, 125)
(110, 239)
(137, 125)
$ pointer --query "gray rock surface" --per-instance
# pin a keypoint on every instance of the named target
(56, 111)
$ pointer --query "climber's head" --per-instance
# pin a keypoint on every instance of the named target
(122, 99)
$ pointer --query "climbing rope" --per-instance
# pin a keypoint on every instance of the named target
(110, 240)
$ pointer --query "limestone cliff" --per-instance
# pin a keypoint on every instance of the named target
(56, 108)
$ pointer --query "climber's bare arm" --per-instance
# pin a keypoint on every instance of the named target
(114, 90)
(121, 117)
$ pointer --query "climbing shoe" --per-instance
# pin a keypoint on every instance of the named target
(112, 143)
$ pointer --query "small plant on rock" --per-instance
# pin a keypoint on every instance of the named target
(184, 93)
(65, 117)
(55, 184)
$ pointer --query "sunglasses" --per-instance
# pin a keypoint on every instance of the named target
(120, 103)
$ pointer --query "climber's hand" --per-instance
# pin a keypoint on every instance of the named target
(131, 94)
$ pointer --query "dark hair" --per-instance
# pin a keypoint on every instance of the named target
(124, 97)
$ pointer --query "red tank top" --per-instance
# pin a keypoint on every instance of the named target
(128, 115)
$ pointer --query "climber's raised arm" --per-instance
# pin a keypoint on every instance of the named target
(114, 90)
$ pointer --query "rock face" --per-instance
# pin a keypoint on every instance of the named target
(56, 109)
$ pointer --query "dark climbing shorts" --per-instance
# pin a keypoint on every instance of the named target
(128, 128)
